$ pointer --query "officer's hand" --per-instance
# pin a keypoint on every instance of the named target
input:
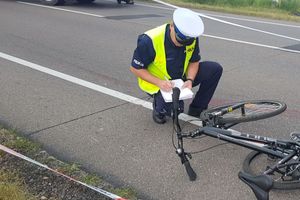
(187, 84)
(166, 85)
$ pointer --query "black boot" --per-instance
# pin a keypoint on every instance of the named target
(195, 112)
(158, 118)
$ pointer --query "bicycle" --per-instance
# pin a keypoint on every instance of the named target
(280, 159)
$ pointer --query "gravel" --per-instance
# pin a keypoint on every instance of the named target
(45, 184)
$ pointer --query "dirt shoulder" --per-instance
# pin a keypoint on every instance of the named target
(25, 180)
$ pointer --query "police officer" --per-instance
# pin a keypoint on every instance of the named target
(171, 51)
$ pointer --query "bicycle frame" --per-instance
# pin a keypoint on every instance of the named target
(285, 150)
(250, 141)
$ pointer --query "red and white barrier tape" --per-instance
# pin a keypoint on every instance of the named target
(101, 191)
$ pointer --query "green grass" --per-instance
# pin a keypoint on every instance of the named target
(291, 6)
(12, 187)
(23, 145)
(69, 168)
(91, 179)
(260, 8)
(127, 193)
(20, 143)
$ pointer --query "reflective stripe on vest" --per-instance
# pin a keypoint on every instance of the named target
(158, 67)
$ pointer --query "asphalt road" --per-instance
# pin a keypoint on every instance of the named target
(117, 139)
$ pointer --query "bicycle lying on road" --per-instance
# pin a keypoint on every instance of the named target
(274, 164)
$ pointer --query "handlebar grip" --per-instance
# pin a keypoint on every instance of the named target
(175, 97)
(191, 173)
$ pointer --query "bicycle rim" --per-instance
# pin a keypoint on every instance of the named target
(256, 163)
(253, 110)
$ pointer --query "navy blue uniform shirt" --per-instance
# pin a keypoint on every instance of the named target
(144, 54)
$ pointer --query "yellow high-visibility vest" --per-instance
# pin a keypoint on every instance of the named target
(158, 67)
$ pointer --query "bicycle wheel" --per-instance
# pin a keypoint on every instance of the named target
(285, 178)
(253, 110)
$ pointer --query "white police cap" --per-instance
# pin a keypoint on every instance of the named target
(188, 22)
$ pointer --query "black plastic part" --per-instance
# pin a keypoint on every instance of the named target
(191, 173)
(260, 185)
(175, 98)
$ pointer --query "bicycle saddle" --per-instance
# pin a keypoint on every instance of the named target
(260, 185)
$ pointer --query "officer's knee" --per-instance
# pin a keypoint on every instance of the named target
(218, 68)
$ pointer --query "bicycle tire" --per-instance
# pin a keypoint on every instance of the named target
(262, 111)
(249, 167)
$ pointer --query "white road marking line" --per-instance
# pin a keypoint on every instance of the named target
(92, 86)
(211, 36)
(252, 43)
(61, 9)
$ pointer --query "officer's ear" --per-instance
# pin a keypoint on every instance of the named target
(172, 26)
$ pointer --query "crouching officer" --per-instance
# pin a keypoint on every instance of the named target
(171, 51)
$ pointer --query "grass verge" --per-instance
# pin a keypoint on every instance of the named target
(13, 187)
(21, 180)
(271, 13)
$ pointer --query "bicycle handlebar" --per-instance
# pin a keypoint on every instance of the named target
(180, 151)
(189, 170)
(175, 98)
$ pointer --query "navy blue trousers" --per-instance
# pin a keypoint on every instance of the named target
(208, 77)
